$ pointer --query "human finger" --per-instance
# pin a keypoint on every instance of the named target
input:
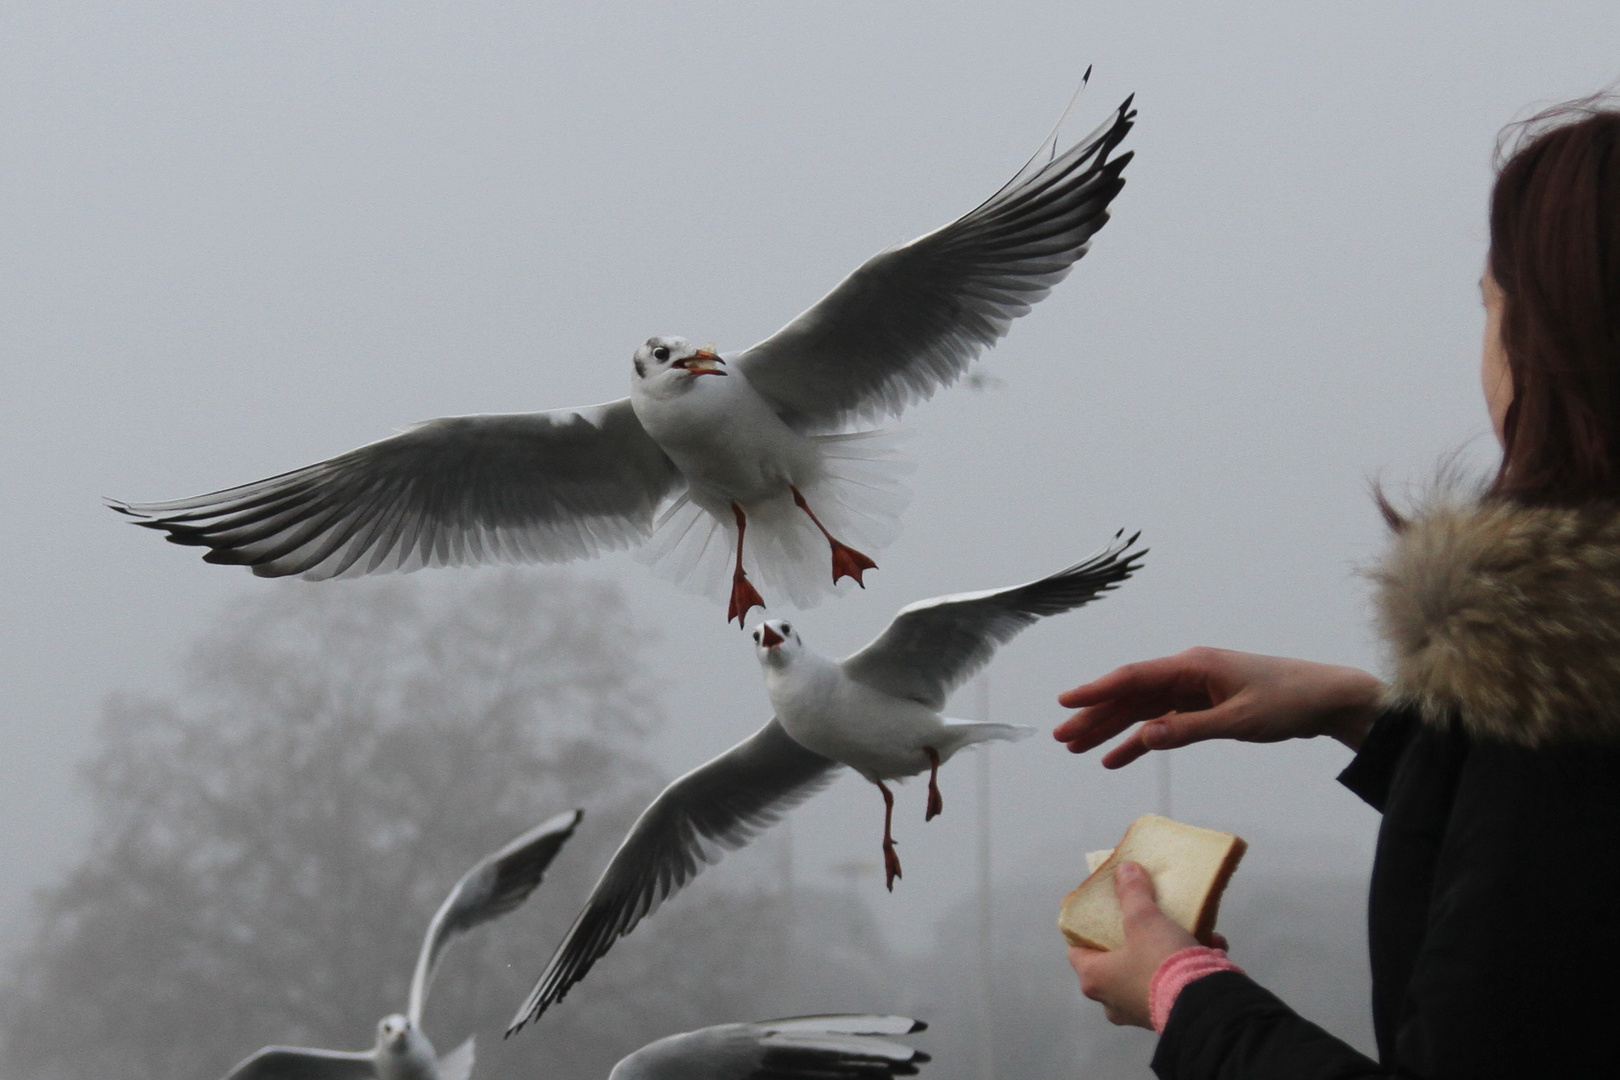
(1143, 677)
(1092, 727)
(1218, 941)
(1094, 967)
(1117, 714)
(1126, 752)
(1138, 900)
(1175, 730)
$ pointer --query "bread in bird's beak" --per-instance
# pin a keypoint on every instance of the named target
(702, 362)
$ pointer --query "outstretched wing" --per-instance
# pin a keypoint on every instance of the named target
(458, 1063)
(715, 808)
(933, 646)
(841, 1047)
(299, 1063)
(911, 319)
(497, 885)
(460, 490)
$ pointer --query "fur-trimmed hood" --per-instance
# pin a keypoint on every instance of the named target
(1507, 618)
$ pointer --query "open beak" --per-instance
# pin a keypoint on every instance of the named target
(770, 638)
(702, 362)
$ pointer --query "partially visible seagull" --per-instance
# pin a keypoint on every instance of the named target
(775, 445)
(844, 1047)
(877, 711)
(498, 884)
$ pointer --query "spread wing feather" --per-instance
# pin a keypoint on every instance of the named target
(836, 1047)
(299, 1063)
(911, 319)
(933, 646)
(498, 884)
(715, 808)
(460, 490)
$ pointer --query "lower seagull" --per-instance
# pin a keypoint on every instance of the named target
(877, 711)
(838, 1047)
(498, 884)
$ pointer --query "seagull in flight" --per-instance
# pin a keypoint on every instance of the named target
(498, 884)
(877, 711)
(841, 1047)
(774, 443)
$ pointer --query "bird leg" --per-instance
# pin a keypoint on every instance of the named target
(744, 596)
(846, 561)
(891, 861)
(936, 802)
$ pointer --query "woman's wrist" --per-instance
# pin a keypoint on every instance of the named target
(1355, 705)
(1176, 972)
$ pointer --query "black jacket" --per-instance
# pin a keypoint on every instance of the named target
(1494, 914)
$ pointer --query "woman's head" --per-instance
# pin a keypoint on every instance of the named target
(1555, 257)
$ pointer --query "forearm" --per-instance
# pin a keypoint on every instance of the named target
(1225, 1026)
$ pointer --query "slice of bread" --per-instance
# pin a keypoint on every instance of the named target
(1189, 866)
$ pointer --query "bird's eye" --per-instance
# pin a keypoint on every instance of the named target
(661, 353)
(786, 629)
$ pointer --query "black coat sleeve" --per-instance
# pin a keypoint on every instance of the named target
(1372, 770)
(1226, 1026)
(1513, 972)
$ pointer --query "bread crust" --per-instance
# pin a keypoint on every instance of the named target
(1203, 928)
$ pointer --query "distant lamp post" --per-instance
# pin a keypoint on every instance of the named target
(987, 978)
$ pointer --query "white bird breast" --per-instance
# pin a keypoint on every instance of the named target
(879, 736)
(724, 437)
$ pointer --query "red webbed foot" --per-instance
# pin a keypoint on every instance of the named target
(744, 598)
(849, 563)
(891, 864)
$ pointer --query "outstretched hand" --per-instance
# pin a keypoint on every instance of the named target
(1217, 694)
(1119, 978)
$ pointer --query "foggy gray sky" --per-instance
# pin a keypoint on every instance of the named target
(240, 238)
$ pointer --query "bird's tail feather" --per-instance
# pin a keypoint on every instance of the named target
(968, 732)
(858, 496)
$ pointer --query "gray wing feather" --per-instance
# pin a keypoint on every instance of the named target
(933, 646)
(458, 1063)
(456, 491)
(300, 1063)
(837, 1047)
(498, 884)
(715, 808)
(911, 319)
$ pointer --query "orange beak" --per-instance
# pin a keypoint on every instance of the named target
(702, 362)
(770, 638)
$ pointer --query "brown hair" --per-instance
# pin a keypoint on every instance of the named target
(1555, 252)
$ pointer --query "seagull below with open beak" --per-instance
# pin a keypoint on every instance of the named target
(879, 711)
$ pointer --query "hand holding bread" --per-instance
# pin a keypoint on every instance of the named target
(1217, 694)
(1153, 895)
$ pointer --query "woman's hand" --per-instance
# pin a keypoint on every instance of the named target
(1119, 978)
(1217, 694)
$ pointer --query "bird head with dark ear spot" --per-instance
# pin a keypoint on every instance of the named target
(664, 358)
(775, 643)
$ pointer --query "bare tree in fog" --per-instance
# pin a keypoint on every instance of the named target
(270, 840)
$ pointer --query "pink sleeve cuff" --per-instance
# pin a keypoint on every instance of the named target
(1179, 969)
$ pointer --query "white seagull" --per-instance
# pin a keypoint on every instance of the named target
(499, 883)
(877, 711)
(767, 446)
(842, 1047)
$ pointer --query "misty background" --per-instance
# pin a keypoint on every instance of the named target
(237, 239)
